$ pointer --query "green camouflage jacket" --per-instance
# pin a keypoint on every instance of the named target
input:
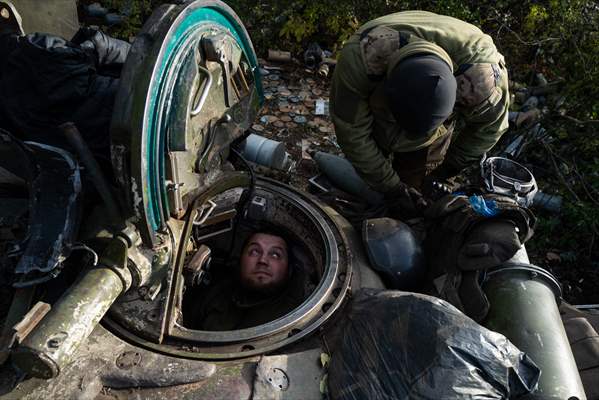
(366, 129)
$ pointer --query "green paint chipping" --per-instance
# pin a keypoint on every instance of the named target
(156, 129)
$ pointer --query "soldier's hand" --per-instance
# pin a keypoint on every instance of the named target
(405, 202)
(418, 199)
(433, 189)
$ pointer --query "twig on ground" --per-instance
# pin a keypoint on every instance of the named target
(578, 121)
(553, 156)
(524, 42)
(584, 183)
(559, 173)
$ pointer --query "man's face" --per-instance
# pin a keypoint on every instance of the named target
(264, 263)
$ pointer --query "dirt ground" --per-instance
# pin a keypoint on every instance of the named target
(290, 115)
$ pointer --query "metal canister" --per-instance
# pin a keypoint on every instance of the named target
(267, 152)
(524, 302)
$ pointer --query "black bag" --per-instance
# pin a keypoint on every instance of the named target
(46, 80)
(400, 345)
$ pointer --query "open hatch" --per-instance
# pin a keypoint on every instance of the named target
(189, 90)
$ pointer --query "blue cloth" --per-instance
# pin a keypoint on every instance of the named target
(486, 208)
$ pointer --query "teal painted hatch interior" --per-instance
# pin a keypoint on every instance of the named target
(154, 126)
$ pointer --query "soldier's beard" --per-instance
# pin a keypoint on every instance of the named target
(258, 289)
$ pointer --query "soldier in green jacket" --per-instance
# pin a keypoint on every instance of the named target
(403, 82)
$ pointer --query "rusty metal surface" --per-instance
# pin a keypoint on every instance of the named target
(30, 320)
(142, 308)
(55, 341)
(50, 347)
(106, 364)
(19, 306)
(18, 332)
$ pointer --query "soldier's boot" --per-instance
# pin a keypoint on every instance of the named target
(10, 19)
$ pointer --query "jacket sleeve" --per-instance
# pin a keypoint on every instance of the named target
(354, 121)
(483, 127)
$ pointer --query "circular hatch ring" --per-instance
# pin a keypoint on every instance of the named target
(308, 318)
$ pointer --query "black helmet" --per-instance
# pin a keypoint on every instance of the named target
(421, 91)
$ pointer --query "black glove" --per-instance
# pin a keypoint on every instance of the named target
(108, 53)
(405, 202)
(440, 182)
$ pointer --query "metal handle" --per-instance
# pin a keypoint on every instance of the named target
(204, 213)
(205, 92)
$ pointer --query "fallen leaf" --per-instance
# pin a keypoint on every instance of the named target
(305, 146)
(303, 95)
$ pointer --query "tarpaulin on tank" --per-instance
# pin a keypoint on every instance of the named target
(400, 345)
(46, 80)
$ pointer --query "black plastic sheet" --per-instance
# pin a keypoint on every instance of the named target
(46, 80)
(400, 345)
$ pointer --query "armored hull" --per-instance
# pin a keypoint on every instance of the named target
(189, 90)
(105, 313)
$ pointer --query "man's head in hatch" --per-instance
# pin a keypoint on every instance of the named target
(264, 263)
